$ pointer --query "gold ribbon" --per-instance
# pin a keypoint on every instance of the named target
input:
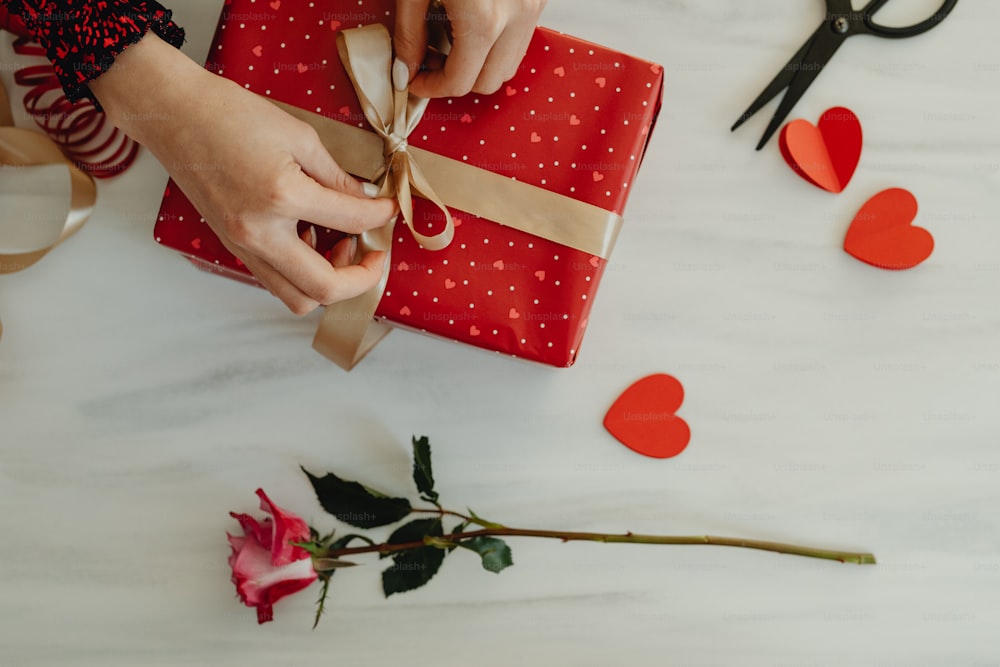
(348, 331)
(24, 148)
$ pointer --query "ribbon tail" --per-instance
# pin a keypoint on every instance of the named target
(348, 330)
(347, 342)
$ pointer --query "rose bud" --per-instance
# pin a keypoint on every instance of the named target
(266, 564)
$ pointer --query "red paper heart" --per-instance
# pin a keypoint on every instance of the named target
(258, 50)
(644, 420)
(882, 234)
(827, 154)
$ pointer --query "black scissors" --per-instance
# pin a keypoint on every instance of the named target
(842, 21)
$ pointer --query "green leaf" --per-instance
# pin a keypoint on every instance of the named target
(355, 504)
(495, 553)
(413, 568)
(423, 475)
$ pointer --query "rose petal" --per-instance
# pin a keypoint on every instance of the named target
(286, 528)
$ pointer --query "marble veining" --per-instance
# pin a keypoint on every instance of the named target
(830, 403)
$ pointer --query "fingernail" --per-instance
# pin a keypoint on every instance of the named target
(371, 190)
(308, 235)
(354, 246)
(400, 74)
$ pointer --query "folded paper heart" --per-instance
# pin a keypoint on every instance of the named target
(882, 233)
(644, 417)
(826, 154)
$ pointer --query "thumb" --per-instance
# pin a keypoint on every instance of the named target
(410, 38)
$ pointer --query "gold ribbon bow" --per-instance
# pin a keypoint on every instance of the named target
(24, 148)
(348, 331)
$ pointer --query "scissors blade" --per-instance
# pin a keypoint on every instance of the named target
(821, 48)
(778, 84)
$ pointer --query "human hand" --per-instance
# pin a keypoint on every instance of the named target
(250, 169)
(489, 39)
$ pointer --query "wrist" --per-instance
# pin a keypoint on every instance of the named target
(139, 90)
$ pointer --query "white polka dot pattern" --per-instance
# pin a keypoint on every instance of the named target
(574, 120)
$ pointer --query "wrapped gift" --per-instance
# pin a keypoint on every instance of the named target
(535, 177)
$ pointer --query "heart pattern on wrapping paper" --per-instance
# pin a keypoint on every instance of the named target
(536, 276)
(644, 417)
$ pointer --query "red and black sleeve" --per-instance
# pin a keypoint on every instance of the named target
(83, 37)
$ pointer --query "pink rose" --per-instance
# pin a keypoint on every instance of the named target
(266, 565)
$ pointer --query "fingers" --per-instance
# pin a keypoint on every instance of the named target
(330, 286)
(313, 277)
(503, 60)
(462, 68)
(293, 298)
(317, 163)
(336, 210)
(319, 191)
(343, 252)
(410, 37)
(489, 39)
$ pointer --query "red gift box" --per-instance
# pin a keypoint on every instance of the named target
(575, 120)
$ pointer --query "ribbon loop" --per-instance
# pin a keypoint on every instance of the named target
(23, 148)
(367, 54)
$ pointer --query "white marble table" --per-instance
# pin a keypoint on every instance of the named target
(831, 403)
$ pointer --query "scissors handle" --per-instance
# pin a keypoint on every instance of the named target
(907, 31)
